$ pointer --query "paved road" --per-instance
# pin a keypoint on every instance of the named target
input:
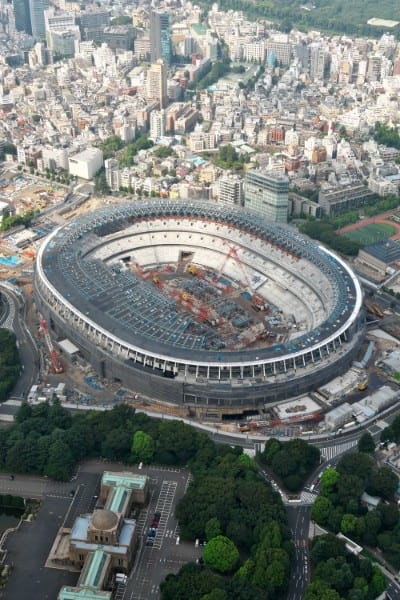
(299, 522)
(28, 352)
(393, 591)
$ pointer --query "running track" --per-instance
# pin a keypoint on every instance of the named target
(383, 218)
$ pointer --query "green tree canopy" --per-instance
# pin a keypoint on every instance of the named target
(321, 510)
(143, 447)
(213, 528)
(221, 554)
(366, 443)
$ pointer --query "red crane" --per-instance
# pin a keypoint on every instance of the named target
(233, 253)
(53, 354)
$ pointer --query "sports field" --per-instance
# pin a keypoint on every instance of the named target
(370, 234)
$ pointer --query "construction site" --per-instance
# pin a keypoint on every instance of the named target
(229, 313)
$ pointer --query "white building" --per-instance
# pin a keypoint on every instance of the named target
(157, 124)
(86, 163)
(113, 176)
(230, 190)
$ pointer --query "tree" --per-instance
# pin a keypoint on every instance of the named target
(329, 479)
(221, 554)
(217, 594)
(100, 183)
(191, 583)
(321, 510)
(142, 447)
(383, 482)
(117, 444)
(318, 590)
(355, 463)
(325, 546)
(213, 528)
(349, 524)
(366, 443)
(60, 461)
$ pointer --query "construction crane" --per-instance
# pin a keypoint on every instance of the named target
(233, 253)
(57, 367)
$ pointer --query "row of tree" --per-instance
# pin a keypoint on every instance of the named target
(10, 365)
(324, 231)
(392, 432)
(248, 554)
(340, 506)
(336, 17)
(386, 135)
(382, 206)
(46, 439)
(292, 462)
(9, 221)
(339, 575)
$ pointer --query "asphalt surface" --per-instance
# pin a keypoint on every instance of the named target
(27, 550)
(27, 349)
(299, 522)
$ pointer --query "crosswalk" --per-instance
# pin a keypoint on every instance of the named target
(329, 452)
(308, 497)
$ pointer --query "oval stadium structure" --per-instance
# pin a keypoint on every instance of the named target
(203, 306)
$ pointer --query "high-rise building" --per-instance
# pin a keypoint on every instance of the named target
(157, 83)
(113, 175)
(319, 63)
(268, 194)
(230, 190)
(160, 37)
(37, 8)
(22, 15)
(157, 124)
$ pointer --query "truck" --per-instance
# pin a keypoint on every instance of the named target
(121, 578)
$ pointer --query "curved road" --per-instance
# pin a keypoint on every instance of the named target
(14, 320)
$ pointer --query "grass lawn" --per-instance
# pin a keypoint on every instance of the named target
(370, 234)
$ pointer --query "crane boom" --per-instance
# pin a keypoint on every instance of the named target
(53, 354)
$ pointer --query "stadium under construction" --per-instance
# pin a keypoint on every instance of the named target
(198, 305)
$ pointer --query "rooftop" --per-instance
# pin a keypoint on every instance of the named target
(72, 593)
(124, 479)
(91, 575)
(387, 251)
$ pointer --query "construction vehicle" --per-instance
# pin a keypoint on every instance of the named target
(186, 297)
(362, 384)
(373, 309)
(192, 269)
(57, 367)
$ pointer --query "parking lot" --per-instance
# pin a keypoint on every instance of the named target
(28, 549)
(167, 553)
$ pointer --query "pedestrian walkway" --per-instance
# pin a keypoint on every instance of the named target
(329, 452)
(308, 497)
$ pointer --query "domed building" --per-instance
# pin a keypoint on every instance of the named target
(105, 541)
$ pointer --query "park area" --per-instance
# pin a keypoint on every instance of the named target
(371, 233)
